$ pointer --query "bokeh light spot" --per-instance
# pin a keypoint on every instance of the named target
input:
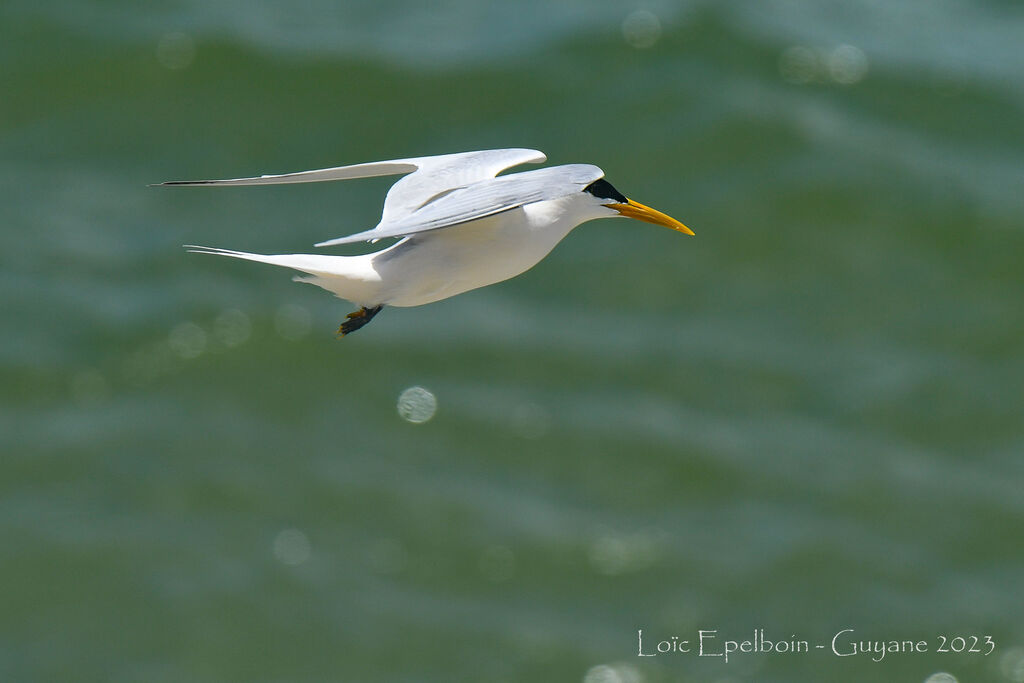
(941, 677)
(609, 555)
(641, 29)
(291, 547)
(416, 405)
(847, 64)
(613, 554)
(1012, 664)
(613, 673)
(844, 64)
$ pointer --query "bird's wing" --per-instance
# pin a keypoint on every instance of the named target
(370, 170)
(439, 175)
(481, 199)
(428, 177)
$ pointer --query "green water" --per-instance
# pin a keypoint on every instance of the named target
(806, 419)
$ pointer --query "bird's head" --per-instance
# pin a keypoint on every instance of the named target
(615, 200)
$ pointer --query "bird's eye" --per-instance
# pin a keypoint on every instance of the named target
(602, 189)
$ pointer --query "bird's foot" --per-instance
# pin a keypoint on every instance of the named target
(357, 319)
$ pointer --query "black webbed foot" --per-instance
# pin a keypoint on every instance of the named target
(357, 319)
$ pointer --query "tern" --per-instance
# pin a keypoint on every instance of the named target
(461, 225)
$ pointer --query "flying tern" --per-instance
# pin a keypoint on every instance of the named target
(461, 225)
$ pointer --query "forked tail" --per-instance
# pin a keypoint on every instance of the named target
(348, 277)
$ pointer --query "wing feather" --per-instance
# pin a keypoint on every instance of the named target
(371, 170)
(482, 199)
(439, 175)
(427, 178)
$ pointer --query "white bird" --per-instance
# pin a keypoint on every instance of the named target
(461, 225)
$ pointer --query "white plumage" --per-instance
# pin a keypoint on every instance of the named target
(461, 227)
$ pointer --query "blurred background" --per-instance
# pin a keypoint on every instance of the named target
(808, 418)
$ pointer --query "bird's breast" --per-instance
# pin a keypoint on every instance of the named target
(436, 265)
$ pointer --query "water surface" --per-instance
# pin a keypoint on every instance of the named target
(805, 419)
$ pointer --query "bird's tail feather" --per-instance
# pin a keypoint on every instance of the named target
(314, 264)
(348, 277)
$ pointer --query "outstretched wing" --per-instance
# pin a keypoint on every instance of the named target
(483, 198)
(371, 170)
(428, 177)
(438, 175)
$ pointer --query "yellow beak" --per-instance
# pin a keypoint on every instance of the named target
(640, 212)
